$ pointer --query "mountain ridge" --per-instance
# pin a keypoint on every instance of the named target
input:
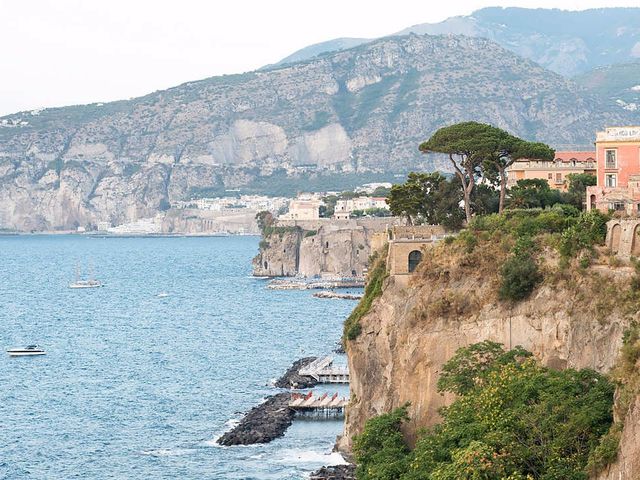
(561, 40)
(357, 111)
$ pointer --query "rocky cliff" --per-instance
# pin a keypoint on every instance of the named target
(325, 248)
(364, 109)
(572, 320)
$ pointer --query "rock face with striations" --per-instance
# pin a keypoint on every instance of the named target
(324, 248)
(359, 110)
(451, 302)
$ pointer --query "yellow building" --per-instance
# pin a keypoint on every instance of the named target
(555, 171)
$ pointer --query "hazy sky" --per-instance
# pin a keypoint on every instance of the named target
(61, 52)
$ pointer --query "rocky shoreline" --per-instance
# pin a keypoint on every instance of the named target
(292, 379)
(263, 423)
(336, 472)
(270, 419)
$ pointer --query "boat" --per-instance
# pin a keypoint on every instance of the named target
(162, 295)
(82, 283)
(29, 350)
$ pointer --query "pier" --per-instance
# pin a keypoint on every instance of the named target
(323, 370)
(324, 405)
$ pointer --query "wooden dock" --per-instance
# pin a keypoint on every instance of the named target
(323, 405)
(323, 370)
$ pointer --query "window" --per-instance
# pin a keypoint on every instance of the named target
(558, 178)
(610, 180)
(617, 206)
(610, 159)
(550, 176)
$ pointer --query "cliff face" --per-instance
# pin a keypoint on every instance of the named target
(325, 248)
(279, 254)
(359, 110)
(409, 333)
(627, 465)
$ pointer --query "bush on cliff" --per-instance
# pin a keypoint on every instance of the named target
(513, 419)
(380, 448)
(373, 290)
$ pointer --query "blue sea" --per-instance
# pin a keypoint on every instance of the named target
(135, 386)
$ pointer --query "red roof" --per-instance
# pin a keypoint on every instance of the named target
(575, 156)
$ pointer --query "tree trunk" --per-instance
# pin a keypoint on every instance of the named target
(467, 187)
(503, 188)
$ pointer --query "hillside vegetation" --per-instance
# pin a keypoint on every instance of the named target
(361, 110)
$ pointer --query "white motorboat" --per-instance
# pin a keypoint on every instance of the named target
(30, 350)
(162, 295)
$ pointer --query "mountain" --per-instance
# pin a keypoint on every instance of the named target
(619, 84)
(316, 49)
(356, 111)
(566, 42)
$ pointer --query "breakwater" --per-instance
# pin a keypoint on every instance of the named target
(263, 423)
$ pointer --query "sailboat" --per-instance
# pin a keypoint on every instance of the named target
(82, 283)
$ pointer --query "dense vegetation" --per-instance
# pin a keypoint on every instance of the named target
(513, 420)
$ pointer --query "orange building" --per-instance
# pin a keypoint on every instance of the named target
(555, 171)
(618, 172)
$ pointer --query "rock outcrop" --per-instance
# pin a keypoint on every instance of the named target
(263, 423)
(358, 111)
(451, 302)
(627, 465)
(323, 248)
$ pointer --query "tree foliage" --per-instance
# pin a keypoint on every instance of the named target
(427, 198)
(476, 149)
(513, 420)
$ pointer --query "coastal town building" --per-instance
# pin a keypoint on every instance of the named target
(618, 171)
(344, 208)
(303, 210)
(553, 171)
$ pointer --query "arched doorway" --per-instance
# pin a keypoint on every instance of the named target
(414, 259)
(635, 243)
(616, 232)
(592, 202)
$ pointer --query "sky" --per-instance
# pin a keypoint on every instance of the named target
(67, 52)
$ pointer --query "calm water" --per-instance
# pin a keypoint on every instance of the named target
(136, 386)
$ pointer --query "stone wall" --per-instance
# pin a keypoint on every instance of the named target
(623, 237)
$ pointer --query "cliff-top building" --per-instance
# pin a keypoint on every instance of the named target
(618, 171)
(553, 171)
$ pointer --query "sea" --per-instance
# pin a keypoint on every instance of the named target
(137, 384)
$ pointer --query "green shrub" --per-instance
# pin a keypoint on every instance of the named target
(373, 290)
(380, 451)
(519, 276)
(513, 419)
(588, 230)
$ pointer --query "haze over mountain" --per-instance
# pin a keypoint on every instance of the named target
(619, 84)
(359, 110)
(567, 42)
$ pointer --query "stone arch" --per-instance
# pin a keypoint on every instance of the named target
(616, 233)
(635, 242)
(414, 259)
(592, 202)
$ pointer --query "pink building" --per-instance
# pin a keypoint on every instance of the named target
(618, 171)
(554, 171)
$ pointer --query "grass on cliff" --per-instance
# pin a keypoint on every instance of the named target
(510, 250)
(513, 420)
(373, 290)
